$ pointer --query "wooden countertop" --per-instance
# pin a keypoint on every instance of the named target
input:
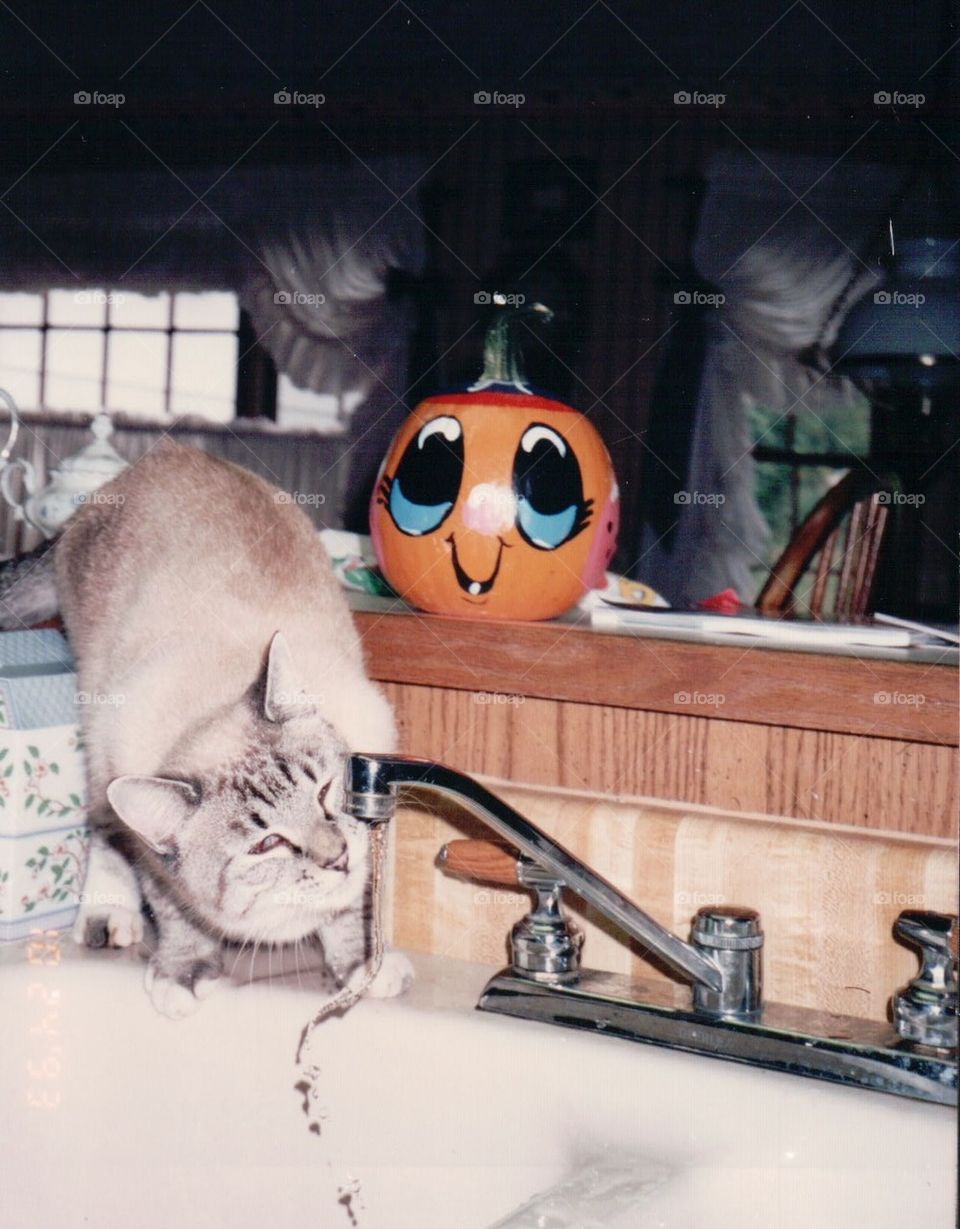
(910, 701)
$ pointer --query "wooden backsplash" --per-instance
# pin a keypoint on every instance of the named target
(827, 894)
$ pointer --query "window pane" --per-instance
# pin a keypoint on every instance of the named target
(205, 376)
(21, 308)
(211, 310)
(144, 311)
(301, 407)
(826, 427)
(20, 366)
(74, 368)
(137, 372)
(87, 307)
(835, 428)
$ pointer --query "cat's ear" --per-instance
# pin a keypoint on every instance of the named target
(154, 807)
(283, 696)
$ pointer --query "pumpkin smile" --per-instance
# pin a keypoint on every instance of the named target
(475, 588)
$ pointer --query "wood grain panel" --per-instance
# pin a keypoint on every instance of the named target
(889, 784)
(754, 686)
(827, 895)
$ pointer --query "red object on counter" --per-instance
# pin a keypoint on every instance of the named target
(727, 601)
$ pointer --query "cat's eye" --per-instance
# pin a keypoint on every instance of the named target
(427, 482)
(275, 841)
(549, 489)
(322, 801)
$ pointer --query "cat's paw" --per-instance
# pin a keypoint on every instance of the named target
(116, 926)
(177, 991)
(394, 976)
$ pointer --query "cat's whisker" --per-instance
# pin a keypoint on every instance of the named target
(236, 959)
(296, 962)
(253, 957)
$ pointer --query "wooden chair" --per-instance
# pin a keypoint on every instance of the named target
(841, 538)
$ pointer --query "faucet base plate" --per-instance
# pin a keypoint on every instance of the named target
(844, 1050)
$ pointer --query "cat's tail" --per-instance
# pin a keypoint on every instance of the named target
(28, 590)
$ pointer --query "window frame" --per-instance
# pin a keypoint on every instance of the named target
(256, 378)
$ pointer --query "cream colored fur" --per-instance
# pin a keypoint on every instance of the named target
(171, 597)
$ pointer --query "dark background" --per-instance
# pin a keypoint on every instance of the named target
(511, 201)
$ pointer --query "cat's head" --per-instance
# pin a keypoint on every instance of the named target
(258, 846)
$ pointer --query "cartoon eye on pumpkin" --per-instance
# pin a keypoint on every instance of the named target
(546, 478)
(427, 482)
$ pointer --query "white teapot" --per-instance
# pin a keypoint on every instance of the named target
(71, 484)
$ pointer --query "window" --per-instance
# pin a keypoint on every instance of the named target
(799, 456)
(303, 408)
(156, 356)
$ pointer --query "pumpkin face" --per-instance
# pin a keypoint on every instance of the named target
(495, 504)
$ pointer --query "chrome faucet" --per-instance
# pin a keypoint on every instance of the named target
(726, 984)
(726, 1017)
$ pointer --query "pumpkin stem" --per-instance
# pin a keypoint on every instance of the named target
(502, 356)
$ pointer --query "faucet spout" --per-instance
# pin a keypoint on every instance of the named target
(371, 786)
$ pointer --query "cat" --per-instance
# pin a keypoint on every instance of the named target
(226, 686)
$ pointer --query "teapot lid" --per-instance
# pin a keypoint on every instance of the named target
(100, 460)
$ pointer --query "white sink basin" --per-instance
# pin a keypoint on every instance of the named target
(426, 1115)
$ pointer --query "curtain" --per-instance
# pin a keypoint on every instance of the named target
(775, 265)
(309, 250)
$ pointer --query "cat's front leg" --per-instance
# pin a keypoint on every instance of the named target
(346, 948)
(109, 913)
(188, 963)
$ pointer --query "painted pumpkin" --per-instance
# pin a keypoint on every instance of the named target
(496, 502)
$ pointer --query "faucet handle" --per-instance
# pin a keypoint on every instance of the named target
(731, 937)
(545, 945)
(925, 1010)
(489, 861)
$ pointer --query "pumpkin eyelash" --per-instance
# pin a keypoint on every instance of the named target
(383, 491)
(584, 517)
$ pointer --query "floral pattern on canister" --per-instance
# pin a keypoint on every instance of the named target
(44, 838)
(42, 783)
(45, 873)
(43, 833)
